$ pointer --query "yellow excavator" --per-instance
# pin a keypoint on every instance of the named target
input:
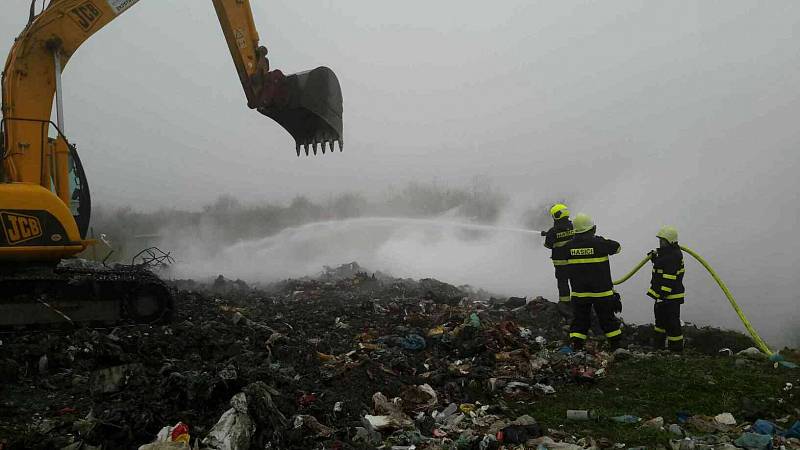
(44, 196)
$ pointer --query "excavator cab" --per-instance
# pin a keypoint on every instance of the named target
(311, 111)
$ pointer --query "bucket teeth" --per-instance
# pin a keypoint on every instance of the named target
(325, 143)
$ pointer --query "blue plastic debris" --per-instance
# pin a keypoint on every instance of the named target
(788, 364)
(775, 357)
(566, 350)
(413, 342)
(682, 416)
(763, 427)
(754, 441)
(793, 431)
(473, 321)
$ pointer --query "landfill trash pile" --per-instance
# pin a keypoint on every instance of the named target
(344, 360)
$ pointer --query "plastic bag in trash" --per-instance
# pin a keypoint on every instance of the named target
(473, 321)
(234, 429)
(754, 441)
(763, 427)
(519, 434)
(413, 342)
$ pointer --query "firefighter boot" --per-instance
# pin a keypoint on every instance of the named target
(675, 345)
(614, 343)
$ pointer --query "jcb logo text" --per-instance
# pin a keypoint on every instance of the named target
(85, 15)
(20, 228)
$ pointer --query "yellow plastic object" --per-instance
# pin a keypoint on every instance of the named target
(752, 331)
(436, 331)
(466, 408)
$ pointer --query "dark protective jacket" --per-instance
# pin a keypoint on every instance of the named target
(667, 281)
(558, 236)
(587, 265)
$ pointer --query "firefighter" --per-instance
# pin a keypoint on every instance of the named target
(556, 237)
(666, 288)
(590, 278)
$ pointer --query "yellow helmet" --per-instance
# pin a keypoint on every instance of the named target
(668, 233)
(582, 223)
(559, 210)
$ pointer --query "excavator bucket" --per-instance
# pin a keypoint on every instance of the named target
(313, 114)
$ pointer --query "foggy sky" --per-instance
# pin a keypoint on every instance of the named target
(642, 113)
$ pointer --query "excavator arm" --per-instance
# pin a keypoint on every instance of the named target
(44, 196)
(308, 104)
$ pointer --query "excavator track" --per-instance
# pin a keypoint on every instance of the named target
(63, 296)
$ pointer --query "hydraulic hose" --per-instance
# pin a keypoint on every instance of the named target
(753, 333)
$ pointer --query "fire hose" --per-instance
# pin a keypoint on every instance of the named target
(753, 333)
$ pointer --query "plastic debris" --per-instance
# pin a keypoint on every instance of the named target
(622, 354)
(786, 365)
(474, 321)
(580, 414)
(420, 397)
(793, 431)
(168, 438)
(413, 342)
(725, 419)
(234, 429)
(466, 408)
(754, 441)
(548, 443)
(310, 423)
(751, 352)
(544, 388)
(654, 423)
(112, 379)
(763, 427)
(436, 331)
(519, 434)
(380, 423)
(705, 424)
(626, 419)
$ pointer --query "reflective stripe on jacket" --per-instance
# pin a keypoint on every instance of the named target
(668, 270)
(557, 236)
(587, 265)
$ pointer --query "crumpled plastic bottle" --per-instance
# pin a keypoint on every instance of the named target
(627, 418)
